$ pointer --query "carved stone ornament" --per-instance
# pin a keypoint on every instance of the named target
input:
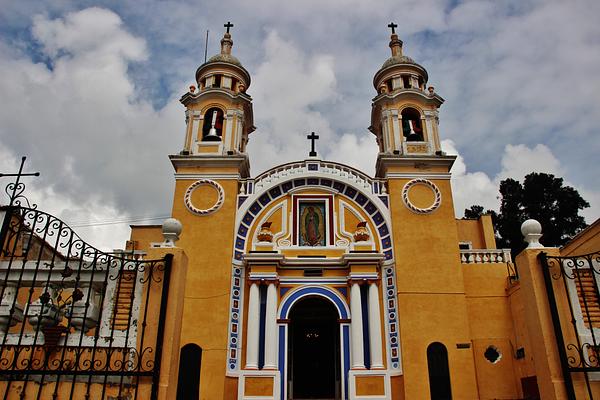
(361, 234)
(422, 210)
(265, 234)
(187, 199)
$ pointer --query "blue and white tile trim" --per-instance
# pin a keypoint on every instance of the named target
(235, 318)
(375, 211)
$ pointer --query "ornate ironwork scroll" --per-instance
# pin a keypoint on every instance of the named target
(572, 285)
(76, 322)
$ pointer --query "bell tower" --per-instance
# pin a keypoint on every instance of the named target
(208, 171)
(218, 110)
(404, 114)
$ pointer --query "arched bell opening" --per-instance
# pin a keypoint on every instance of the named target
(412, 129)
(212, 130)
(314, 351)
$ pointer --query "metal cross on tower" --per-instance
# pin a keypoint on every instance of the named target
(15, 189)
(312, 137)
(228, 25)
(391, 25)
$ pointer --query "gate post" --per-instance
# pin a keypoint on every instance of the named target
(169, 365)
(538, 322)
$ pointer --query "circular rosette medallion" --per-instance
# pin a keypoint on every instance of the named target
(204, 197)
(421, 201)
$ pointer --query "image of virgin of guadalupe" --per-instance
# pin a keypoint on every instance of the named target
(311, 234)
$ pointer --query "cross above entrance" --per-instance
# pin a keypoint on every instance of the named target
(312, 137)
(16, 188)
(390, 25)
(228, 25)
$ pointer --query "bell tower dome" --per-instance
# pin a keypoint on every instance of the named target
(219, 114)
(404, 115)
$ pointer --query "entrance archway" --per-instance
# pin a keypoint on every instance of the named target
(314, 368)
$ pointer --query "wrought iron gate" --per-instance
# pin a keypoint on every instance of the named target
(76, 322)
(572, 286)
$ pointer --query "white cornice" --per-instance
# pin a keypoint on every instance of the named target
(343, 261)
(183, 177)
(411, 175)
(422, 163)
(239, 161)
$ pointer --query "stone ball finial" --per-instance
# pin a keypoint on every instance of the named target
(171, 229)
(532, 232)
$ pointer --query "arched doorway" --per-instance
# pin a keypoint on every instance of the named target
(314, 370)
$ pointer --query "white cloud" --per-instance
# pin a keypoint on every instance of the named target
(287, 88)
(100, 147)
(471, 188)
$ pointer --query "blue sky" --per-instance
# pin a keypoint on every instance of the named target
(90, 91)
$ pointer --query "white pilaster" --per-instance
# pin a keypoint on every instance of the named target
(229, 131)
(385, 133)
(375, 327)
(239, 118)
(271, 328)
(396, 118)
(253, 327)
(356, 331)
(193, 137)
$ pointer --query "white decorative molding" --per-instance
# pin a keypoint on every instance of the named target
(187, 199)
(422, 210)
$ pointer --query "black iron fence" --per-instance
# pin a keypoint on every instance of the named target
(76, 322)
(572, 284)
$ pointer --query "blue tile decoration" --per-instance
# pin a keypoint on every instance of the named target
(275, 192)
(264, 199)
(326, 182)
(239, 243)
(248, 218)
(241, 200)
(313, 167)
(390, 295)
(283, 290)
(350, 192)
(313, 181)
(361, 199)
(236, 289)
(384, 200)
(339, 186)
(370, 207)
(255, 208)
(299, 182)
(286, 186)
(242, 230)
(386, 242)
(388, 254)
(343, 290)
(383, 230)
(378, 218)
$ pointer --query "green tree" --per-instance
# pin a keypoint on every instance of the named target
(542, 197)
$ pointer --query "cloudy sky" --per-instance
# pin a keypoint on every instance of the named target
(89, 92)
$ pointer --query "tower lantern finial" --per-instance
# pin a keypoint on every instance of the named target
(226, 42)
(395, 43)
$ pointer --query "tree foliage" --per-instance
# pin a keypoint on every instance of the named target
(542, 197)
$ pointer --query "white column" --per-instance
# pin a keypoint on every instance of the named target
(252, 335)
(358, 357)
(271, 328)
(375, 327)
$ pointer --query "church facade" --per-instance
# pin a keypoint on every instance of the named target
(314, 280)
(311, 280)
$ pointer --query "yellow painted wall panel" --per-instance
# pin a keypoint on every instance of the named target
(370, 385)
